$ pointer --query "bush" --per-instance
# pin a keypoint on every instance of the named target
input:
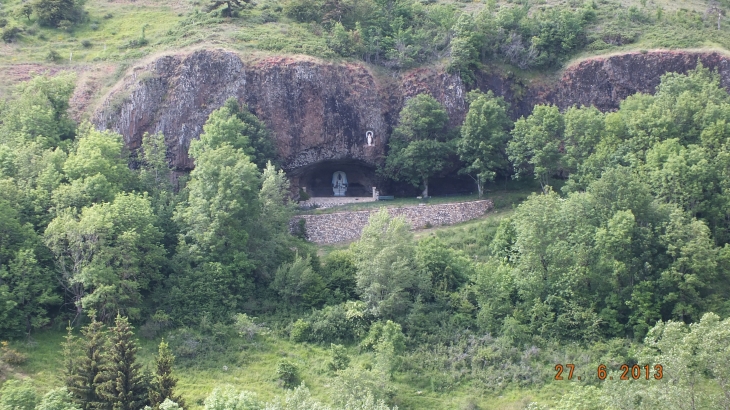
(246, 327)
(86, 43)
(337, 324)
(155, 324)
(299, 331)
(3, 22)
(53, 56)
(11, 34)
(339, 360)
(287, 373)
(11, 356)
(228, 398)
(17, 395)
(58, 13)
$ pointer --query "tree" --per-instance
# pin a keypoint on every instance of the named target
(163, 382)
(82, 371)
(121, 383)
(39, 111)
(259, 136)
(52, 13)
(272, 244)
(28, 287)
(231, 5)
(484, 138)
(419, 148)
(297, 282)
(535, 144)
(96, 170)
(26, 10)
(108, 254)
(213, 265)
(387, 280)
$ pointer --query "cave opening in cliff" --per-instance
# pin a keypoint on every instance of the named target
(317, 179)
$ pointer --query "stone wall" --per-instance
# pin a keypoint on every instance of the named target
(347, 226)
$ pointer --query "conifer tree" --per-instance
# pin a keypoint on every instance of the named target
(121, 383)
(82, 371)
(164, 383)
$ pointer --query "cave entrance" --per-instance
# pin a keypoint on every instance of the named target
(321, 179)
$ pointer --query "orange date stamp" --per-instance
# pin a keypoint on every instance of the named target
(635, 372)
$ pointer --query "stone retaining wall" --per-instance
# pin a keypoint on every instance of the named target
(347, 226)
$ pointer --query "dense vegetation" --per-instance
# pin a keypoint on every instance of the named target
(628, 263)
(397, 34)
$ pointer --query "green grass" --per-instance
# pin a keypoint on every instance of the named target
(251, 366)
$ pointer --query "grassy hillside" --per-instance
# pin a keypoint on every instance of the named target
(115, 34)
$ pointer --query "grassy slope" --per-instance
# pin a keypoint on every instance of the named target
(172, 25)
(253, 369)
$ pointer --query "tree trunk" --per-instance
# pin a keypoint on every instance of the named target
(480, 188)
(425, 188)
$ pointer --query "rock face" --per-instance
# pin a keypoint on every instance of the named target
(320, 111)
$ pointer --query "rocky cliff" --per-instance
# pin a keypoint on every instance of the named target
(321, 110)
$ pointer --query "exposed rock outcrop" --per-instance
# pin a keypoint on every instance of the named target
(320, 111)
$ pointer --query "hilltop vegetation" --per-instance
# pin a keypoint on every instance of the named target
(627, 264)
(525, 34)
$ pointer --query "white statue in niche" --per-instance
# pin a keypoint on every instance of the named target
(339, 183)
(369, 136)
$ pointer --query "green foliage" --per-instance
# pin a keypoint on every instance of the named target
(339, 359)
(83, 361)
(259, 136)
(59, 13)
(108, 254)
(10, 34)
(228, 398)
(339, 272)
(484, 138)
(297, 282)
(419, 147)
(299, 331)
(222, 207)
(287, 373)
(385, 257)
(163, 384)
(17, 395)
(535, 145)
(121, 383)
(57, 399)
(39, 112)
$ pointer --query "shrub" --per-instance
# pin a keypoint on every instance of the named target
(11, 356)
(155, 324)
(3, 22)
(228, 398)
(86, 43)
(246, 327)
(335, 324)
(53, 56)
(11, 34)
(287, 373)
(299, 331)
(18, 395)
(339, 360)
(55, 13)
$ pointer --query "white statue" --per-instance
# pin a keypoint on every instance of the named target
(369, 136)
(339, 183)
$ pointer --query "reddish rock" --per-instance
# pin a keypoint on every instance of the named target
(320, 111)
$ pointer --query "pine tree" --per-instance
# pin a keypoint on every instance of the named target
(163, 384)
(121, 384)
(82, 371)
